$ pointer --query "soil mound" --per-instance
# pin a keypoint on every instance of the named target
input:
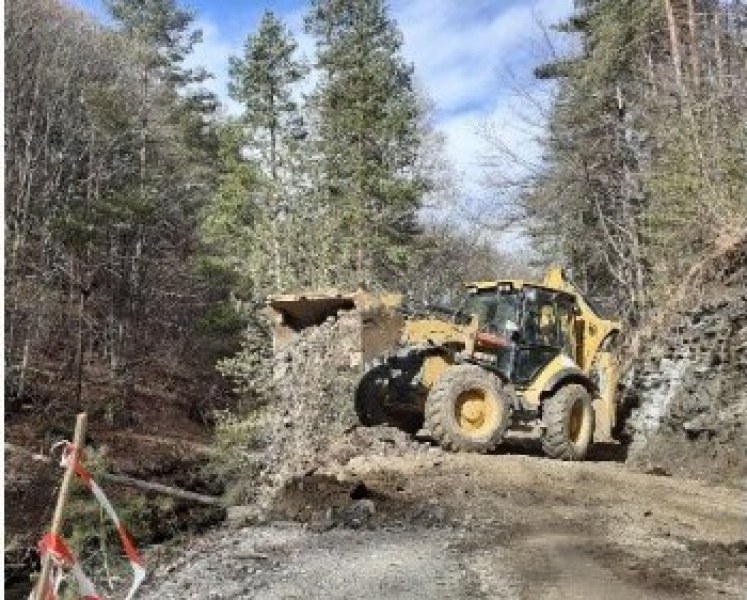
(323, 502)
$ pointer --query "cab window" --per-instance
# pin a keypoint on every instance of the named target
(541, 326)
(566, 322)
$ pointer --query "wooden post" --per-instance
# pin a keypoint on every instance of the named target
(78, 440)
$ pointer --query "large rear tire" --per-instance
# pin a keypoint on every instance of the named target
(370, 396)
(467, 410)
(373, 407)
(569, 423)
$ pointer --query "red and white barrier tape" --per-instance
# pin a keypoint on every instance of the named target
(62, 556)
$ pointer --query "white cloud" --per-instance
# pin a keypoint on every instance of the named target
(475, 60)
(213, 54)
(461, 48)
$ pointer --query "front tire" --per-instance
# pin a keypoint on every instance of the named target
(467, 410)
(569, 423)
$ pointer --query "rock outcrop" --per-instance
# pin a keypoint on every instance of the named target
(687, 393)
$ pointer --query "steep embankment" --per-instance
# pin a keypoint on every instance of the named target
(688, 389)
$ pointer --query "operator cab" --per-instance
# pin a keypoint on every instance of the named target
(521, 328)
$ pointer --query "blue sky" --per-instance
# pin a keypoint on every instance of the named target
(473, 58)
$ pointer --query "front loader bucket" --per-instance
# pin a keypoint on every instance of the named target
(379, 324)
(301, 311)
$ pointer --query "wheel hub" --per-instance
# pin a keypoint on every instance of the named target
(476, 412)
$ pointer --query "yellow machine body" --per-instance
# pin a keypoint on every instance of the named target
(588, 354)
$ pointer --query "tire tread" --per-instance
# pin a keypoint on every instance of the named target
(439, 403)
(555, 442)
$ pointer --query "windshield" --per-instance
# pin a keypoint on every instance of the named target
(496, 311)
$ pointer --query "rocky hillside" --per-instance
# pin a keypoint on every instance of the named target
(687, 392)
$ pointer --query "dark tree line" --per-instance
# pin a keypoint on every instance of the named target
(108, 159)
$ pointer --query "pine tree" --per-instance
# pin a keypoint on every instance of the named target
(264, 80)
(367, 117)
(166, 34)
(586, 206)
(175, 146)
(227, 220)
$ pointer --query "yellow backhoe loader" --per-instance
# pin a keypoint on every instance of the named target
(514, 355)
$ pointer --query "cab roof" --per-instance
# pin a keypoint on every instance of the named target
(516, 284)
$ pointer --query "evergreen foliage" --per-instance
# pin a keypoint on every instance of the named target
(642, 134)
(367, 136)
(271, 135)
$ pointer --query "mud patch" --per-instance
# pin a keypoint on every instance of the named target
(720, 559)
(656, 575)
(324, 502)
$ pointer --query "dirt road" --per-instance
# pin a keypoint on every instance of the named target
(434, 525)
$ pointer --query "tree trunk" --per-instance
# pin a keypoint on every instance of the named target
(718, 56)
(674, 43)
(694, 50)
